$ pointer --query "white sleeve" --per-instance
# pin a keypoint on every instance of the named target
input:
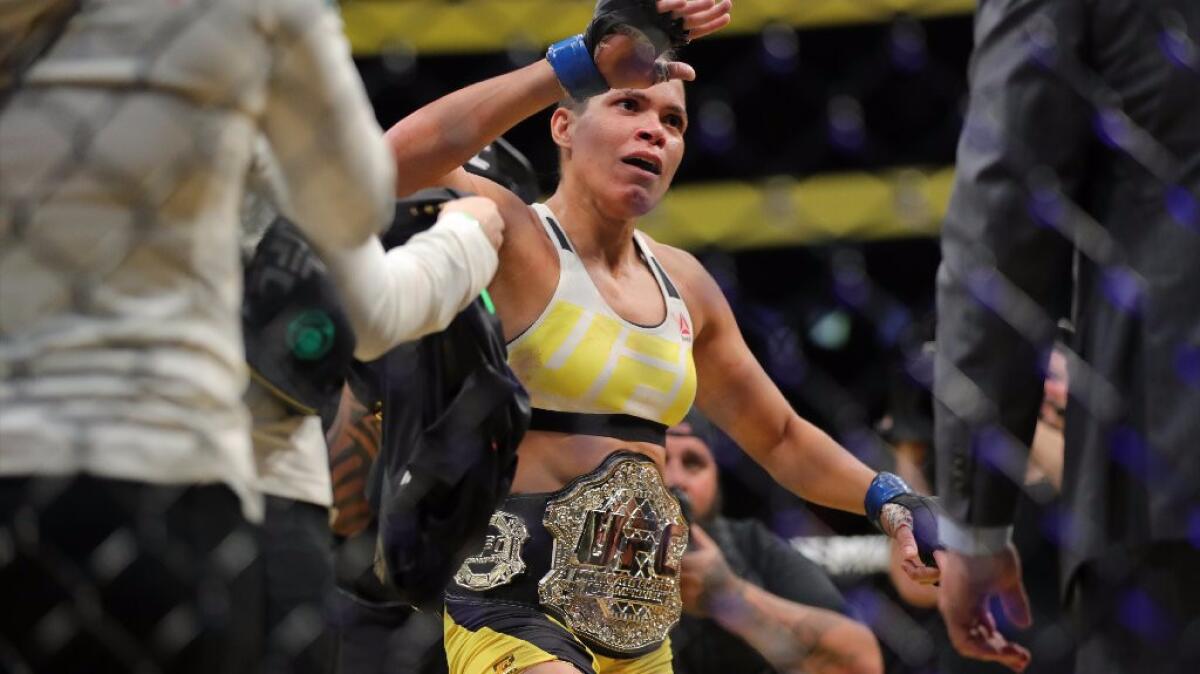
(339, 171)
(415, 289)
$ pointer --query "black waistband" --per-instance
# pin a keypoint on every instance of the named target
(619, 426)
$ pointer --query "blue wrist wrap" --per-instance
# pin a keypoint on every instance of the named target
(884, 488)
(575, 69)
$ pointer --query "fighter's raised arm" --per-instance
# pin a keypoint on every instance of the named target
(437, 139)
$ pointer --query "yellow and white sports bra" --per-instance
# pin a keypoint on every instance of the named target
(590, 371)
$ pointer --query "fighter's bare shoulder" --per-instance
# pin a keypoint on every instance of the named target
(524, 239)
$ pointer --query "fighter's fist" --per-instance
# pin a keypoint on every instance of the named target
(631, 59)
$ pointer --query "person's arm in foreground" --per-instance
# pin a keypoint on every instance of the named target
(336, 169)
(334, 180)
(417, 288)
(1005, 279)
(792, 637)
(411, 290)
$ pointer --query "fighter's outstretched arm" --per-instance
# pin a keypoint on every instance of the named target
(736, 394)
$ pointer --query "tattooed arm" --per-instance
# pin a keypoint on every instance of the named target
(353, 441)
(798, 638)
(792, 637)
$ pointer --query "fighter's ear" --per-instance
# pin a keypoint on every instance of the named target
(561, 126)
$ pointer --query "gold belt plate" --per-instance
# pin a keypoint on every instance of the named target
(500, 559)
(619, 538)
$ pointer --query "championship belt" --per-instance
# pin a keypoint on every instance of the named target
(500, 560)
(619, 538)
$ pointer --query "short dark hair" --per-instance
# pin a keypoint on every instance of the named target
(573, 104)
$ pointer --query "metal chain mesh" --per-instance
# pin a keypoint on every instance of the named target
(841, 326)
(125, 140)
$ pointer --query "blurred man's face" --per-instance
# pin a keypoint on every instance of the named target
(1054, 401)
(691, 469)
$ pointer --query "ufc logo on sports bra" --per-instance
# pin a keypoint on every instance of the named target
(579, 360)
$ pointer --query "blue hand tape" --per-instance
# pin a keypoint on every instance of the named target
(885, 487)
(575, 69)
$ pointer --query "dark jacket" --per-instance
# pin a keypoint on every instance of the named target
(1077, 195)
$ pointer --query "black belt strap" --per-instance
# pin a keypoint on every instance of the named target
(619, 426)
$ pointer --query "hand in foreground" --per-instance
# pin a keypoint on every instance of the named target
(483, 211)
(967, 584)
(705, 578)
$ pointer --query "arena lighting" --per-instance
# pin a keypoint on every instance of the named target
(831, 331)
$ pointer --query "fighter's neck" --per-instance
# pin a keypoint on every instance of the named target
(596, 237)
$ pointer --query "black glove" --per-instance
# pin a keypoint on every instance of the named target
(611, 16)
(888, 488)
(924, 511)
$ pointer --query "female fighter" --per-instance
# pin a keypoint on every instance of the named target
(613, 335)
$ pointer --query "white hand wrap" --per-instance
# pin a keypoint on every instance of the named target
(415, 289)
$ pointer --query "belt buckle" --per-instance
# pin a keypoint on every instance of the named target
(619, 538)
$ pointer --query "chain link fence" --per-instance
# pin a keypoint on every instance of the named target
(128, 487)
(817, 175)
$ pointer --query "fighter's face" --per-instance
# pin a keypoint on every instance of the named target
(626, 145)
(691, 469)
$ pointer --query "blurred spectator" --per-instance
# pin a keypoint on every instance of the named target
(1076, 194)
(751, 602)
